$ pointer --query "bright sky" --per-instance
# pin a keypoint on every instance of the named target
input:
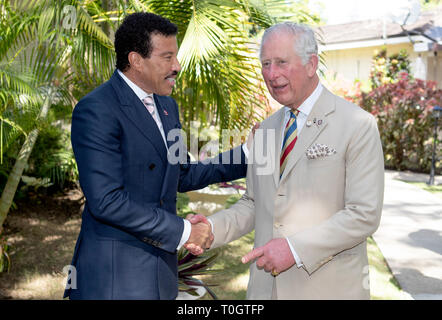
(342, 11)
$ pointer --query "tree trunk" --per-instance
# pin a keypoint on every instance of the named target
(105, 24)
(20, 163)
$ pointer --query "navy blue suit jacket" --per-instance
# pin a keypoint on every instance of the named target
(126, 248)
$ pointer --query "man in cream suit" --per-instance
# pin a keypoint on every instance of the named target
(314, 211)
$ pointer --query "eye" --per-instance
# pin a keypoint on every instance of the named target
(266, 64)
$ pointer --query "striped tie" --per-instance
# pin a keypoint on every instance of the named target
(290, 137)
(150, 106)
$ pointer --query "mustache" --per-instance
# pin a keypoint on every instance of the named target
(174, 73)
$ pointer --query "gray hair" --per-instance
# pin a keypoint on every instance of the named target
(305, 43)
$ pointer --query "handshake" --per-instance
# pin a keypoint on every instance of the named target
(201, 236)
(274, 257)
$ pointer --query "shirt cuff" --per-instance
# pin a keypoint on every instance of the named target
(186, 233)
(245, 150)
(298, 261)
(211, 224)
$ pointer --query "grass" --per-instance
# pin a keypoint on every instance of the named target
(434, 189)
(232, 280)
(383, 285)
(42, 239)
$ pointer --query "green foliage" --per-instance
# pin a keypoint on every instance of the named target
(403, 112)
(403, 108)
(39, 51)
(5, 260)
(190, 266)
(430, 4)
(398, 63)
(66, 45)
(52, 157)
(41, 57)
(232, 200)
(220, 83)
(182, 205)
(387, 69)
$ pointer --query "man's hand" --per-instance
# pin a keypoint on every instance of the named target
(275, 256)
(201, 236)
(252, 135)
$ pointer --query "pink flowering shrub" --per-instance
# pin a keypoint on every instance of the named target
(403, 110)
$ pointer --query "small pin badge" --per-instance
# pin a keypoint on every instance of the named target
(314, 120)
(165, 113)
(309, 123)
(319, 122)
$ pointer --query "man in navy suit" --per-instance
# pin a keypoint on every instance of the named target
(130, 232)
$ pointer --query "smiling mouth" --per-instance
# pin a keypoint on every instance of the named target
(278, 88)
(171, 80)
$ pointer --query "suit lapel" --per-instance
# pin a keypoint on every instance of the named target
(134, 109)
(322, 108)
(166, 118)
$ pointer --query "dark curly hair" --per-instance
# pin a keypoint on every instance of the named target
(134, 34)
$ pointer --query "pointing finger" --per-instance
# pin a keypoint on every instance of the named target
(252, 255)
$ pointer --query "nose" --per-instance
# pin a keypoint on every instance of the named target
(271, 72)
(176, 65)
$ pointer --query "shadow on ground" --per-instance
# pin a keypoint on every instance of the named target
(42, 232)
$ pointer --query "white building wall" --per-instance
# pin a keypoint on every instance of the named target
(355, 63)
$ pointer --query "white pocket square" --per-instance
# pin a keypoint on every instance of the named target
(319, 150)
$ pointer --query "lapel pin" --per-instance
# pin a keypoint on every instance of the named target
(309, 123)
(319, 122)
(314, 120)
(165, 113)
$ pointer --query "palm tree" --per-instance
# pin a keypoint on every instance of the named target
(220, 83)
(57, 56)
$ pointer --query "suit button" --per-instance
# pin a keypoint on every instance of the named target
(152, 166)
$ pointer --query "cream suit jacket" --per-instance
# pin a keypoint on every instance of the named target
(326, 206)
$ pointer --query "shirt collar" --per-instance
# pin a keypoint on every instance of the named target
(141, 94)
(307, 106)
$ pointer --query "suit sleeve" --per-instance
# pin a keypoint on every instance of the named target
(227, 166)
(364, 189)
(96, 143)
(238, 220)
(197, 175)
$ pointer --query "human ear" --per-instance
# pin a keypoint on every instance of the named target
(312, 65)
(135, 60)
